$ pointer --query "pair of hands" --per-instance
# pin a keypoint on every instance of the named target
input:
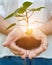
(16, 34)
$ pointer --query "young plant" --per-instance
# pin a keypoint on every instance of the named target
(23, 12)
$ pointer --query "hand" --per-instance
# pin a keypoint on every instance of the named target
(39, 36)
(11, 39)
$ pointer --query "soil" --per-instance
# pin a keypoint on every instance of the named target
(28, 43)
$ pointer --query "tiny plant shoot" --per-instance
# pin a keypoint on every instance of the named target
(23, 12)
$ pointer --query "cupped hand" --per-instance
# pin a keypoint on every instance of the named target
(39, 35)
(12, 37)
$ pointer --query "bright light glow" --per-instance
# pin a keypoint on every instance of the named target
(30, 27)
(36, 25)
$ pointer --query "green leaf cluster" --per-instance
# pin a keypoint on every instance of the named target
(19, 11)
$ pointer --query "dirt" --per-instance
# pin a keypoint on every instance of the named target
(28, 43)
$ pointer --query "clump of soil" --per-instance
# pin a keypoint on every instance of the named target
(28, 43)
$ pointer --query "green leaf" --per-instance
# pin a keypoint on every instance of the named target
(36, 9)
(12, 14)
(18, 15)
(9, 16)
(21, 10)
(10, 26)
(27, 4)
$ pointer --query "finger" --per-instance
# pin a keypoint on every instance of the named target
(39, 51)
(25, 54)
(33, 55)
(36, 52)
(30, 55)
(10, 38)
(16, 52)
(43, 39)
(13, 36)
(44, 43)
(15, 48)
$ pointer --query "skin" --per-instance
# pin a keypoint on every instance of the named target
(13, 36)
(39, 36)
(42, 33)
(47, 27)
(3, 25)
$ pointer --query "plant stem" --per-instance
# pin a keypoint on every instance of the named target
(21, 19)
(31, 14)
(27, 19)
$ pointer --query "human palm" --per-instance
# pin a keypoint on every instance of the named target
(26, 46)
(43, 46)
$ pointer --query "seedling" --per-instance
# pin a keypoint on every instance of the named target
(22, 13)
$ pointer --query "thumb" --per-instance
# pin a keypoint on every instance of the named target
(10, 38)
